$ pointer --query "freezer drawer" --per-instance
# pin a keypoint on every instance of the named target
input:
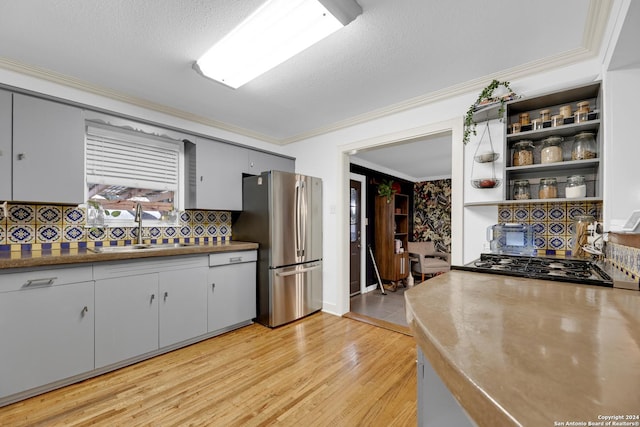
(296, 291)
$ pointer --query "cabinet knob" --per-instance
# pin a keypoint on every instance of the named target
(201, 178)
(84, 311)
(213, 286)
(22, 156)
(153, 296)
(166, 294)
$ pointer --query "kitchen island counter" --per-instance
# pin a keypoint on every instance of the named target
(82, 255)
(516, 351)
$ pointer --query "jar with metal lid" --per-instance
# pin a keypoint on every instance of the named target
(551, 150)
(545, 115)
(536, 124)
(557, 120)
(521, 189)
(522, 153)
(584, 146)
(548, 188)
(575, 187)
(524, 119)
(583, 106)
(565, 111)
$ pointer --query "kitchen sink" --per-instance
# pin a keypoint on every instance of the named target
(138, 247)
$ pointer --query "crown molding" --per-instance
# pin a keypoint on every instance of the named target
(74, 83)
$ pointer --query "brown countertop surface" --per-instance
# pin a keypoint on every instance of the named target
(517, 351)
(82, 255)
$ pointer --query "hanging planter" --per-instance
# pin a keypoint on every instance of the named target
(486, 99)
(490, 156)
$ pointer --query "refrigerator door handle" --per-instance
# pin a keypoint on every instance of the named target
(297, 218)
(303, 219)
(300, 271)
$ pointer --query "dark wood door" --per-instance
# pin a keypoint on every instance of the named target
(355, 244)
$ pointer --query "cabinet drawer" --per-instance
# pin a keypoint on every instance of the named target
(14, 280)
(225, 258)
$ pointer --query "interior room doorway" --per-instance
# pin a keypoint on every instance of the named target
(355, 237)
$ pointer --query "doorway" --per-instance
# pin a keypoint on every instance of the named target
(355, 237)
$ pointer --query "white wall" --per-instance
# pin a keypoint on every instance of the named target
(326, 156)
(622, 146)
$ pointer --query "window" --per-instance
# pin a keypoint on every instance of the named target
(125, 167)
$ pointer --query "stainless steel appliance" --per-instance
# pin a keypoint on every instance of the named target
(282, 212)
(564, 270)
(511, 238)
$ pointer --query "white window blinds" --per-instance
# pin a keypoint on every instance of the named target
(131, 159)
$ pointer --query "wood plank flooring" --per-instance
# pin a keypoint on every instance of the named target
(321, 371)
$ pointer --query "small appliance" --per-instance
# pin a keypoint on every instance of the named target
(511, 238)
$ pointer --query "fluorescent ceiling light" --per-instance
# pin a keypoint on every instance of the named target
(275, 32)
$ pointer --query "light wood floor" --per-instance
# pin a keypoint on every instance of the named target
(321, 371)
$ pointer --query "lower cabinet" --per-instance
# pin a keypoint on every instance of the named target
(183, 305)
(231, 296)
(126, 317)
(59, 325)
(46, 327)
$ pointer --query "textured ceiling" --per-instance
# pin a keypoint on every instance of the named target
(395, 51)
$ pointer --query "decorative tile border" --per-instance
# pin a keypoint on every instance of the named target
(31, 227)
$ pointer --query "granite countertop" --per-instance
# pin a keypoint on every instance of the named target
(516, 351)
(83, 255)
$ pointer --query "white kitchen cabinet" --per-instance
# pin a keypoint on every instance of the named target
(217, 176)
(126, 317)
(5, 145)
(260, 161)
(183, 304)
(231, 289)
(46, 327)
(48, 151)
(143, 305)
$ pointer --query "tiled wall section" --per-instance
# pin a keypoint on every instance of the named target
(33, 227)
(625, 258)
(553, 223)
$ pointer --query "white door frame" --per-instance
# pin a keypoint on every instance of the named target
(455, 127)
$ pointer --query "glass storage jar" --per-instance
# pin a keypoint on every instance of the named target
(576, 187)
(521, 190)
(557, 120)
(548, 188)
(524, 119)
(584, 146)
(545, 115)
(580, 234)
(522, 153)
(551, 150)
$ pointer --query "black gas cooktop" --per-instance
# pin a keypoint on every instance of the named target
(565, 270)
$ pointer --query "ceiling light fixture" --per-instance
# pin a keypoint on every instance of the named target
(275, 32)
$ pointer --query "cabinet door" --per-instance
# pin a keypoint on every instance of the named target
(260, 162)
(219, 168)
(5, 145)
(232, 295)
(183, 305)
(46, 334)
(48, 151)
(126, 317)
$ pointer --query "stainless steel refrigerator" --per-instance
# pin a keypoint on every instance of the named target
(282, 211)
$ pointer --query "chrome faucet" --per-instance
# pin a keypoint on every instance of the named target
(138, 219)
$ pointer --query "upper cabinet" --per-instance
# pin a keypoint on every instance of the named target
(260, 161)
(214, 175)
(5, 145)
(48, 151)
(551, 148)
(215, 170)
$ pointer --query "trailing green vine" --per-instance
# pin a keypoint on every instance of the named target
(486, 97)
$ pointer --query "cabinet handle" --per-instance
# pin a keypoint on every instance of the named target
(84, 311)
(213, 286)
(22, 156)
(166, 294)
(153, 296)
(235, 259)
(201, 178)
(40, 282)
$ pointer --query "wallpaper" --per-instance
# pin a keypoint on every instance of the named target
(432, 213)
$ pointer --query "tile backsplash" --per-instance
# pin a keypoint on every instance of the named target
(33, 227)
(553, 223)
